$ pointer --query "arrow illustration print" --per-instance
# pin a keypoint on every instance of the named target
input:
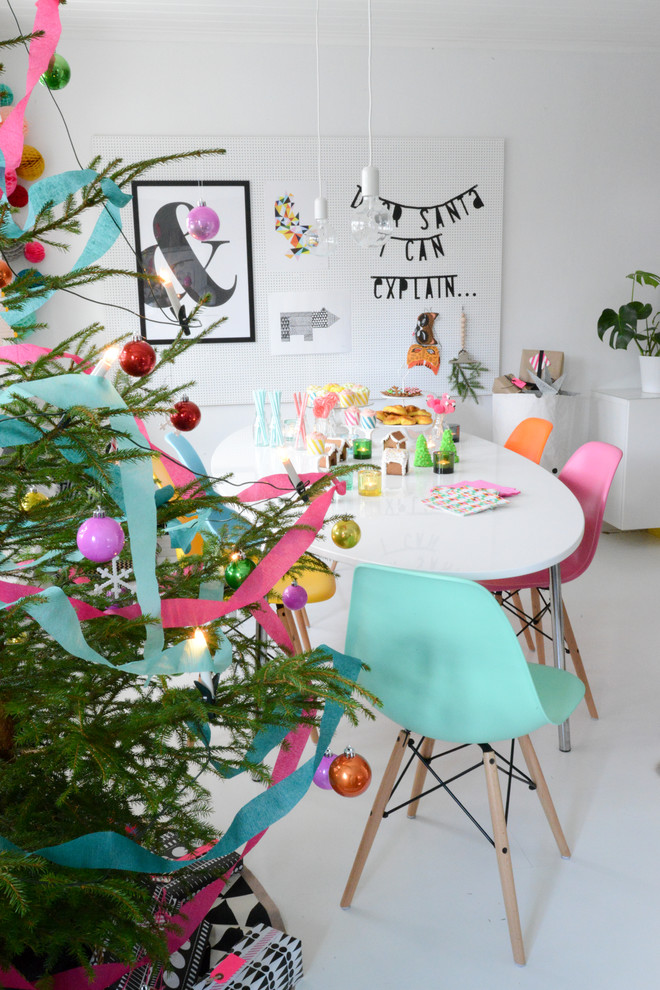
(305, 323)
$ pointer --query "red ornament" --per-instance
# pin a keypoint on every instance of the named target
(6, 274)
(34, 252)
(349, 774)
(137, 358)
(19, 197)
(186, 415)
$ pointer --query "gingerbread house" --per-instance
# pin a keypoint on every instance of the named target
(329, 458)
(395, 453)
(342, 446)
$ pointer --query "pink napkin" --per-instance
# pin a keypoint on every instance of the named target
(502, 489)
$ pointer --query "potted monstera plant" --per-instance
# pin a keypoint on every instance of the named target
(636, 321)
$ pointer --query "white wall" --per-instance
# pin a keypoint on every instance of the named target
(581, 161)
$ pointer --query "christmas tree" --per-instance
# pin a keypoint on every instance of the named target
(104, 749)
(447, 444)
(422, 456)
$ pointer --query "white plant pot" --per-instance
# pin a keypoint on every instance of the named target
(649, 368)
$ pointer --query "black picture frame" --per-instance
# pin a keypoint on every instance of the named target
(199, 268)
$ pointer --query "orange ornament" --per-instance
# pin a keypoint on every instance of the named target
(349, 774)
(6, 274)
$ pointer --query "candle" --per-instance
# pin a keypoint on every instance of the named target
(362, 448)
(369, 482)
(295, 479)
(443, 461)
(108, 358)
(166, 282)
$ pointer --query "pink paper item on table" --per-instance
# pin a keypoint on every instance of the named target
(501, 489)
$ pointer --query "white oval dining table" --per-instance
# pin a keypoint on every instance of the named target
(534, 530)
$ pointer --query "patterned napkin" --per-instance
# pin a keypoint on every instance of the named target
(463, 500)
(501, 489)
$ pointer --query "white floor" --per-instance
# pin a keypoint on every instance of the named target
(428, 911)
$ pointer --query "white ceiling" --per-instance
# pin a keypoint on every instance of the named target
(587, 25)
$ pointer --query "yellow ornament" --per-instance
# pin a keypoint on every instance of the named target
(32, 499)
(346, 534)
(32, 164)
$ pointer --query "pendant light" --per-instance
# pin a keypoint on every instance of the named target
(320, 238)
(372, 223)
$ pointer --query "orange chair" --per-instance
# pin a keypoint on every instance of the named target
(529, 438)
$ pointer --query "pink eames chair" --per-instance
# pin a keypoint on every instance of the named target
(588, 473)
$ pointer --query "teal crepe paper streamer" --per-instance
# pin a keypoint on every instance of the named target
(110, 850)
(57, 617)
(54, 190)
(214, 519)
(135, 493)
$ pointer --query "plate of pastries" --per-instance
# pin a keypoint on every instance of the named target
(400, 415)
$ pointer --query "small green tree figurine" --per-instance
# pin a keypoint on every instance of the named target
(447, 444)
(422, 456)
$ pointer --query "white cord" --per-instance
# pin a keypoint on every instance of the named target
(369, 75)
(318, 102)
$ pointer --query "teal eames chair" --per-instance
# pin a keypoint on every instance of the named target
(450, 667)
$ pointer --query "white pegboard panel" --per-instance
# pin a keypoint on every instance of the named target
(415, 172)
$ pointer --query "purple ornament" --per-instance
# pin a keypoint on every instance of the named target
(320, 777)
(203, 222)
(100, 538)
(294, 596)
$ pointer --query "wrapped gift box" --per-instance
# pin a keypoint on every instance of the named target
(265, 959)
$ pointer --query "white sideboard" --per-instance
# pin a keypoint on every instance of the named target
(630, 419)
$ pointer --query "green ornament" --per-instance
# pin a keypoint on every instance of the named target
(447, 444)
(422, 455)
(346, 534)
(6, 96)
(238, 570)
(57, 74)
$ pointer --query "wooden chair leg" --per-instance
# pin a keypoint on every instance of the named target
(538, 626)
(426, 751)
(571, 643)
(375, 817)
(515, 598)
(287, 619)
(535, 772)
(503, 856)
(305, 617)
(299, 621)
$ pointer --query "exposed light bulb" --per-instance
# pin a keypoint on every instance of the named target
(372, 223)
(321, 237)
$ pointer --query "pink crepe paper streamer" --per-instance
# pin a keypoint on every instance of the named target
(41, 51)
(27, 353)
(300, 402)
(287, 761)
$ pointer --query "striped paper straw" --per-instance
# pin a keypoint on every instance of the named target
(300, 402)
(260, 429)
(276, 438)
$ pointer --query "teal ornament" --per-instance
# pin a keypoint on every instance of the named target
(237, 571)
(6, 96)
(57, 74)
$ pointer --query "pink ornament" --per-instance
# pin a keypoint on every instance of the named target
(34, 252)
(294, 596)
(11, 181)
(320, 777)
(203, 222)
(100, 538)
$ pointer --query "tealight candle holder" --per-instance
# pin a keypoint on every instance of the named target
(362, 448)
(455, 431)
(443, 461)
(369, 482)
